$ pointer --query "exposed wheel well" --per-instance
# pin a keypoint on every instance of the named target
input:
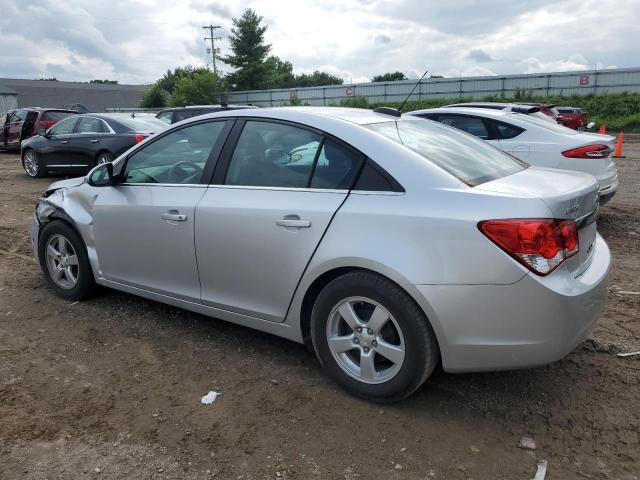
(316, 287)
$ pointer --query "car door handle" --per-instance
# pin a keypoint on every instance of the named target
(174, 217)
(64, 141)
(293, 222)
(95, 140)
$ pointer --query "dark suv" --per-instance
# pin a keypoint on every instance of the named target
(20, 124)
(177, 114)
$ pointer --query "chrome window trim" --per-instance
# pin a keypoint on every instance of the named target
(288, 189)
(150, 184)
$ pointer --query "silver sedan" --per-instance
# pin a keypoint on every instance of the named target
(387, 244)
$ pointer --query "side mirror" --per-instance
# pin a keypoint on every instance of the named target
(278, 156)
(42, 132)
(590, 125)
(102, 176)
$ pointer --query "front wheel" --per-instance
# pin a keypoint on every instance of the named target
(372, 338)
(64, 261)
(32, 164)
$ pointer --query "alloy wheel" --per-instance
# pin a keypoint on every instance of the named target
(103, 158)
(62, 261)
(365, 340)
(31, 163)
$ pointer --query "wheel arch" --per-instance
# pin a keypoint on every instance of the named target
(320, 281)
(101, 151)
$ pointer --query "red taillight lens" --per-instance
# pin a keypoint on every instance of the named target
(541, 245)
(139, 137)
(46, 124)
(588, 151)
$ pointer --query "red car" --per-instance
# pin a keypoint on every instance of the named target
(549, 110)
(574, 117)
(20, 124)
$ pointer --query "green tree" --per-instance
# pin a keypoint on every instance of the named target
(202, 88)
(154, 97)
(389, 77)
(316, 79)
(249, 52)
(170, 79)
(279, 73)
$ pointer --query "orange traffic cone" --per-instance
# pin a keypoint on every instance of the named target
(617, 153)
(603, 129)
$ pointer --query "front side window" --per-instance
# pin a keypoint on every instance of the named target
(186, 113)
(19, 116)
(178, 157)
(91, 125)
(64, 127)
(273, 155)
(470, 160)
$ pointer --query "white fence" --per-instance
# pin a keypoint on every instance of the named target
(561, 83)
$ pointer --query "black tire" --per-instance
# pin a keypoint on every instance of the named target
(421, 349)
(104, 157)
(39, 170)
(85, 284)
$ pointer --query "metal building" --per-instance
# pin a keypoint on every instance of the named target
(8, 99)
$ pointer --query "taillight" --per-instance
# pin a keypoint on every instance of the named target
(541, 245)
(139, 137)
(46, 124)
(588, 151)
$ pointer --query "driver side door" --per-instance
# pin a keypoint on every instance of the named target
(144, 225)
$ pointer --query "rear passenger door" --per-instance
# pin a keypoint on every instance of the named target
(91, 137)
(14, 128)
(275, 192)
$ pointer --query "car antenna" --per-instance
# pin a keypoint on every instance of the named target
(412, 90)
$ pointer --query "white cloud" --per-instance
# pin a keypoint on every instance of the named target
(137, 42)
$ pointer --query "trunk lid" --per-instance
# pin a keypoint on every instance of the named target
(568, 194)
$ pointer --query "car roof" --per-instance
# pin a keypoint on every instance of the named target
(47, 109)
(358, 116)
(484, 112)
(187, 107)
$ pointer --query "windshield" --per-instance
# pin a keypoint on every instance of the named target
(462, 155)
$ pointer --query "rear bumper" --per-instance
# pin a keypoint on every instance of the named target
(608, 189)
(535, 321)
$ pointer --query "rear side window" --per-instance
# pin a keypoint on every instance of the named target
(54, 116)
(505, 131)
(273, 155)
(336, 167)
(470, 160)
(19, 116)
(165, 117)
(473, 125)
(91, 125)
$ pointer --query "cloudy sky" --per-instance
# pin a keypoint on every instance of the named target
(136, 41)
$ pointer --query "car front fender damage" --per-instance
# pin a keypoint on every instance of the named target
(74, 207)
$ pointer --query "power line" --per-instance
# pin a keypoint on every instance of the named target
(211, 28)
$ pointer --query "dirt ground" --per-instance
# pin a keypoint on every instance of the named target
(110, 388)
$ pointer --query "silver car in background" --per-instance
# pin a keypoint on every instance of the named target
(386, 243)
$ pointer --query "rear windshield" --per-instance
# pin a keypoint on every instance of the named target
(51, 116)
(143, 124)
(545, 123)
(462, 155)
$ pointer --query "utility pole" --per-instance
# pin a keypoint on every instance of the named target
(211, 28)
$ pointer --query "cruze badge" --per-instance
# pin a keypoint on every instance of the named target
(572, 209)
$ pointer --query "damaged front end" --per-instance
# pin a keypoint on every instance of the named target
(70, 201)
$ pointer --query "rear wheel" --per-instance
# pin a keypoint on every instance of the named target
(372, 338)
(64, 261)
(104, 157)
(32, 164)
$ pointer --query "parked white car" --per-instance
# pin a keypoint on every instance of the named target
(537, 142)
